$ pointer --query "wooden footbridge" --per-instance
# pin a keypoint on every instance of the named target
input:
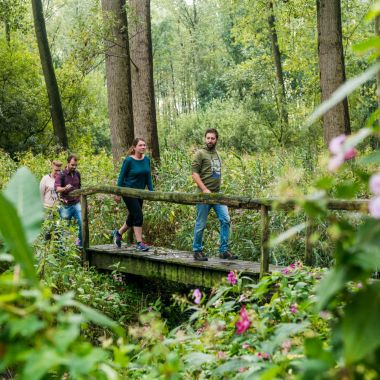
(179, 266)
(166, 264)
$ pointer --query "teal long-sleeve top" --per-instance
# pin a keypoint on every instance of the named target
(135, 174)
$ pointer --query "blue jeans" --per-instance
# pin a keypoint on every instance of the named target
(221, 212)
(73, 211)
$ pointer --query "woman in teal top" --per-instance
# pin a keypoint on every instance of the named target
(134, 173)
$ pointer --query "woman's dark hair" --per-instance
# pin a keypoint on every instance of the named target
(131, 150)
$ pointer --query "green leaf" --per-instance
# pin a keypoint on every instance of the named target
(312, 369)
(96, 317)
(82, 363)
(232, 366)
(373, 12)
(197, 359)
(333, 281)
(369, 260)
(65, 336)
(347, 190)
(325, 183)
(372, 158)
(342, 92)
(368, 44)
(40, 362)
(23, 192)
(26, 327)
(314, 208)
(368, 236)
(360, 325)
(14, 236)
(288, 234)
(285, 330)
(314, 349)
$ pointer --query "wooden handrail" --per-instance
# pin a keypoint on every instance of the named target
(264, 205)
(232, 201)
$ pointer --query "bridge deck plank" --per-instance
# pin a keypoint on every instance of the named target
(171, 264)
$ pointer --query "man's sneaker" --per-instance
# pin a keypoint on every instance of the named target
(199, 256)
(227, 255)
(116, 238)
(142, 246)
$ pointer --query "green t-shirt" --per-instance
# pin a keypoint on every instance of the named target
(208, 165)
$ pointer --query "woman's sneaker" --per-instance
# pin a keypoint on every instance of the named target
(142, 246)
(227, 255)
(116, 238)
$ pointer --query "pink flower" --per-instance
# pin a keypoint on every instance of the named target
(263, 355)
(197, 294)
(232, 278)
(336, 144)
(359, 285)
(374, 184)
(242, 298)
(350, 153)
(339, 153)
(286, 345)
(246, 345)
(242, 369)
(324, 314)
(294, 308)
(243, 323)
(374, 207)
(221, 355)
(285, 271)
(335, 162)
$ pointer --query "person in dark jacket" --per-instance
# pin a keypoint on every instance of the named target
(68, 181)
(136, 174)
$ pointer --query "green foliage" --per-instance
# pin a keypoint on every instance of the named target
(40, 332)
(280, 308)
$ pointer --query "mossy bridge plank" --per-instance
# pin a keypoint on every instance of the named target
(172, 265)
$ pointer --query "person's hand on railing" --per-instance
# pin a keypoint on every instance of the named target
(117, 198)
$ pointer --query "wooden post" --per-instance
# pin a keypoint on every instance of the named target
(85, 230)
(308, 243)
(264, 262)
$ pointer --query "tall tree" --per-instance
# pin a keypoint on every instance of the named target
(56, 110)
(282, 107)
(118, 73)
(143, 100)
(331, 66)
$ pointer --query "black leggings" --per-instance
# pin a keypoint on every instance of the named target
(135, 216)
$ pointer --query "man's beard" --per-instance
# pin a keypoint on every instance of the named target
(210, 145)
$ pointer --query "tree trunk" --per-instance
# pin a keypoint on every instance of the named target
(144, 108)
(118, 74)
(49, 75)
(279, 73)
(331, 66)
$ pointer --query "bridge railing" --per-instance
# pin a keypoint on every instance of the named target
(263, 205)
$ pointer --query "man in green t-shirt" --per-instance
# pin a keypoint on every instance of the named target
(207, 174)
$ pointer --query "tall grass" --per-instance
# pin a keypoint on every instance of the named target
(266, 174)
